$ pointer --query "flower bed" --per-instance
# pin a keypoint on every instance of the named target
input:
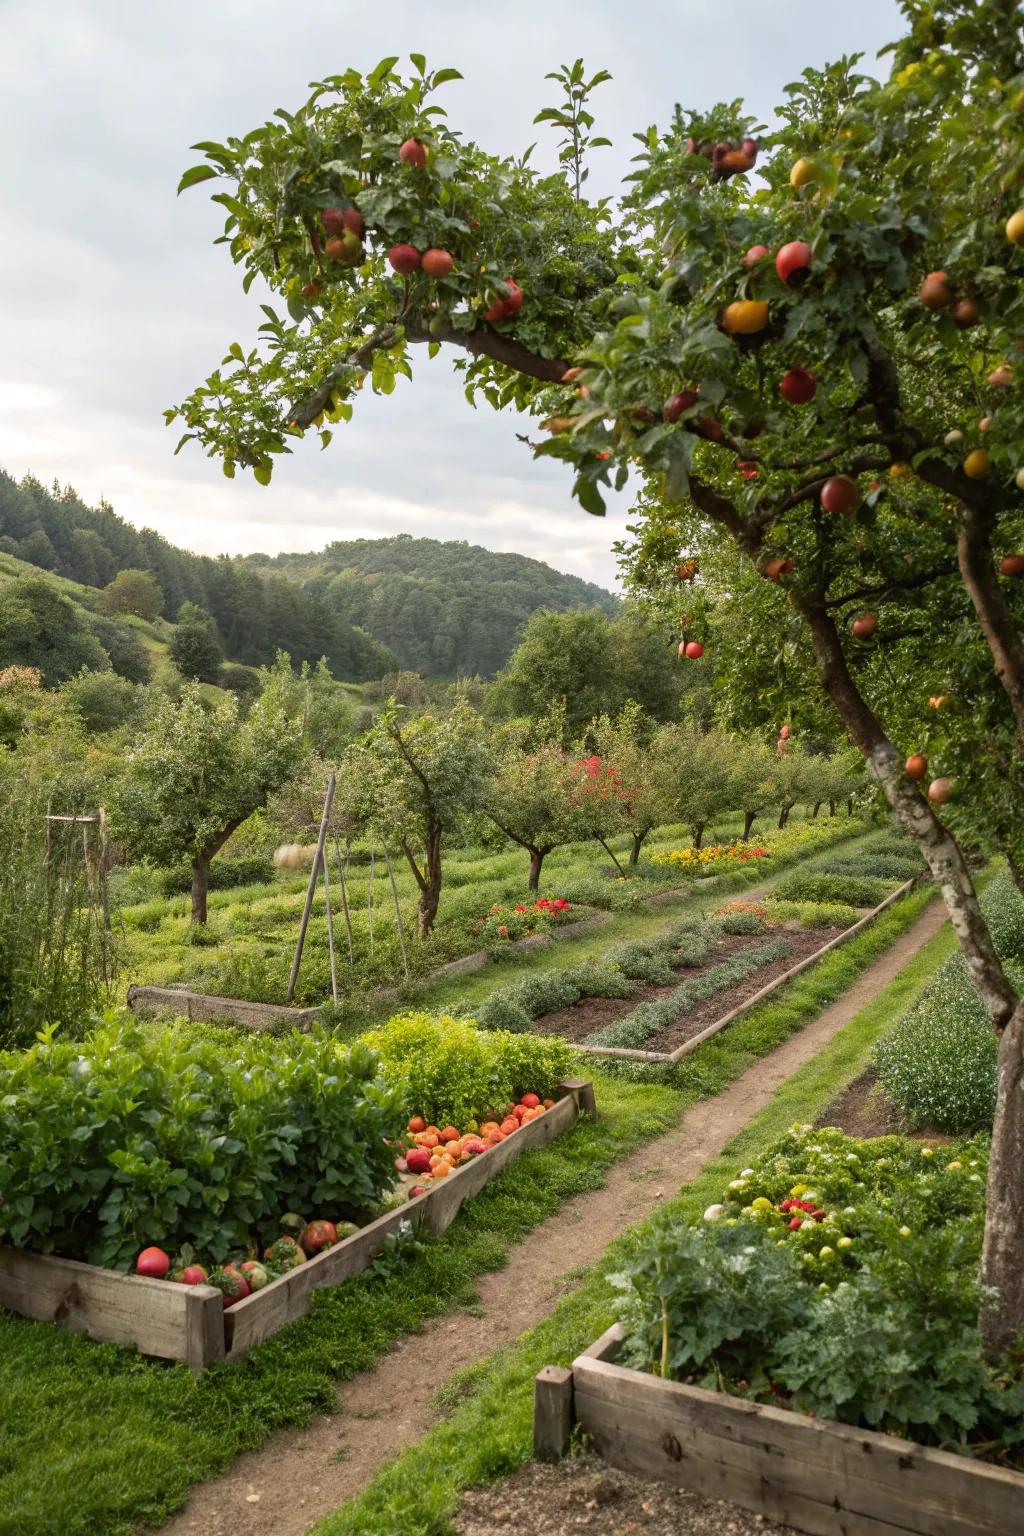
(505, 924)
(772, 850)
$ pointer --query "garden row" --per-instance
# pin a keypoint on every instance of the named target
(237, 1184)
(656, 999)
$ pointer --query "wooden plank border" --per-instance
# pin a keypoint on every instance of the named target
(181, 1003)
(190, 1323)
(685, 1049)
(827, 1478)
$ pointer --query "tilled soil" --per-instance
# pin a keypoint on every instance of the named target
(593, 1013)
(583, 1494)
(862, 1109)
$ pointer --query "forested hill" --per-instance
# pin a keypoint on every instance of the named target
(444, 609)
(255, 616)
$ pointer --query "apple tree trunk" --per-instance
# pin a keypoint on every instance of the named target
(817, 808)
(748, 821)
(697, 833)
(639, 838)
(430, 885)
(200, 886)
(536, 860)
(1003, 1248)
(784, 815)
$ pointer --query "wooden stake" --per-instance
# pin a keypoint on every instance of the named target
(552, 1413)
(369, 898)
(311, 887)
(330, 926)
(344, 899)
(398, 913)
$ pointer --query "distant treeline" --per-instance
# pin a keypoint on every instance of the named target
(255, 615)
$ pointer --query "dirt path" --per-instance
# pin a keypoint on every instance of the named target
(303, 1474)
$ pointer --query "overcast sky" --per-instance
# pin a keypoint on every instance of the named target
(114, 303)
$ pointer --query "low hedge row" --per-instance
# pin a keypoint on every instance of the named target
(855, 891)
(649, 1019)
(812, 914)
(938, 1064)
(224, 874)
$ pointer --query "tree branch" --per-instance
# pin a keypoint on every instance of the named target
(305, 411)
(719, 508)
(486, 342)
(977, 567)
(811, 489)
(898, 584)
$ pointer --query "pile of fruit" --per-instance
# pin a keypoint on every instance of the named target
(238, 1278)
(434, 1153)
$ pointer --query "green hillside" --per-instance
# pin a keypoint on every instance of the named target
(369, 605)
(444, 609)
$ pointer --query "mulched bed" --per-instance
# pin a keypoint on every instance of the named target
(583, 1494)
(863, 1110)
(592, 1013)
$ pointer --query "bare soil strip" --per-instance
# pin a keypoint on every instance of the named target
(303, 1474)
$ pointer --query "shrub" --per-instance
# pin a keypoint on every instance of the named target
(453, 1072)
(860, 1303)
(862, 891)
(887, 866)
(502, 1010)
(641, 962)
(813, 914)
(139, 1136)
(939, 1062)
(225, 874)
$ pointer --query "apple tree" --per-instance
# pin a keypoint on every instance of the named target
(413, 780)
(818, 372)
(198, 770)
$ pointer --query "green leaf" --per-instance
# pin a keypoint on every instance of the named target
(196, 174)
(262, 473)
(588, 496)
(377, 76)
(229, 469)
(444, 75)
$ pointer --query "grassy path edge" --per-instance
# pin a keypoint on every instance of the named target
(488, 1433)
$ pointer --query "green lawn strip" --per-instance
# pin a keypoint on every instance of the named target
(111, 1440)
(489, 1430)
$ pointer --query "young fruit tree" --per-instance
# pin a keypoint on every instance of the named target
(197, 771)
(647, 767)
(412, 780)
(532, 794)
(821, 373)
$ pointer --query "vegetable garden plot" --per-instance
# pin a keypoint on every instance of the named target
(191, 1323)
(820, 1476)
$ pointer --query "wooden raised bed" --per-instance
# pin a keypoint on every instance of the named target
(181, 1003)
(190, 1323)
(751, 1002)
(817, 1475)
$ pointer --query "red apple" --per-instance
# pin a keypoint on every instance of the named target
(916, 766)
(865, 626)
(531, 1100)
(940, 790)
(676, 404)
(840, 494)
(785, 732)
(152, 1262)
(750, 148)
(404, 258)
(793, 261)
(346, 249)
(693, 650)
(418, 1160)
(1012, 565)
(437, 263)
(193, 1274)
(311, 290)
(798, 386)
(754, 255)
(935, 292)
(505, 308)
(413, 152)
(337, 220)
(317, 1236)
